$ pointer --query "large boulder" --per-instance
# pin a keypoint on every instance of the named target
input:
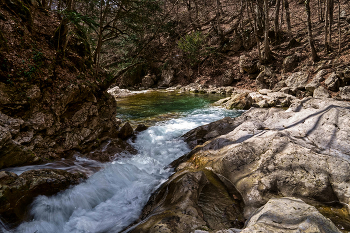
(167, 77)
(245, 100)
(126, 131)
(321, 92)
(209, 131)
(289, 215)
(266, 79)
(189, 201)
(297, 80)
(315, 82)
(17, 192)
(344, 93)
(333, 82)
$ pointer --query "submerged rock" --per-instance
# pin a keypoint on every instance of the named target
(17, 192)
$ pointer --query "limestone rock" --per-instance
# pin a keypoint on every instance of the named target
(288, 215)
(319, 77)
(271, 153)
(247, 64)
(190, 201)
(321, 92)
(126, 131)
(290, 62)
(209, 131)
(239, 101)
(266, 79)
(333, 82)
(17, 192)
(268, 152)
(54, 123)
(344, 93)
(167, 78)
(297, 80)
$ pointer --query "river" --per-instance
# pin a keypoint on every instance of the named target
(112, 198)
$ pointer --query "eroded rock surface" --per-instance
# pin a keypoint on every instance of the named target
(52, 122)
(17, 192)
(302, 152)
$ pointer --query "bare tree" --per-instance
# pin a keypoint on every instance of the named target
(267, 50)
(289, 26)
(314, 55)
(277, 12)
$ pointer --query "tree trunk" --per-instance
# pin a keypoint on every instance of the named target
(289, 26)
(331, 10)
(277, 13)
(326, 45)
(314, 55)
(267, 27)
(255, 29)
(339, 30)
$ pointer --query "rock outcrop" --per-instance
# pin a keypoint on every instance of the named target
(302, 152)
(17, 192)
(263, 99)
(50, 123)
(285, 215)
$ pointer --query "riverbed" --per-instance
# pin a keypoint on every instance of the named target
(112, 198)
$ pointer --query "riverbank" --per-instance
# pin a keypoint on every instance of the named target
(281, 162)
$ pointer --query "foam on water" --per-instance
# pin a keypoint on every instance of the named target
(113, 198)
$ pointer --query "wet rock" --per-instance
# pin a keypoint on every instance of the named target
(140, 128)
(111, 150)
(288, 215)
(297, 80)
(290, 62)
(333, 82)
(344, 93)
(248, 65)
(321, 92)
(17, 192)
(190, 201)
(125, 131)
(209, 131)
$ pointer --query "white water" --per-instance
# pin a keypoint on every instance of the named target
(113, 198)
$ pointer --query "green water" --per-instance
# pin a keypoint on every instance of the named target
(155, 106)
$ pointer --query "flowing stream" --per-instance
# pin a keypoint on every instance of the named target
(113, 197)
